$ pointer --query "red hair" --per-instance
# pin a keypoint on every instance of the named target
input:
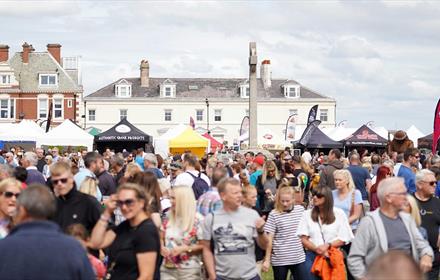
(382, 173)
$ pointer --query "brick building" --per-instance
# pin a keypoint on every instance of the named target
(32, 83)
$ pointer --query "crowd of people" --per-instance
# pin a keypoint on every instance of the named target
(226, 216)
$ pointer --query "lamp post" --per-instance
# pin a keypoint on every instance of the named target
(207, 115)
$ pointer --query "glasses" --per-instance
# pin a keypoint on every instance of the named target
(127, 202)
(317, 194)
(62, 180)
(432, 183)
(416, 156)
(11, 194)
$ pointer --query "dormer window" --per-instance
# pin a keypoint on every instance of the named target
(5, 79)
(48, 80)
(291, 91)
(168, 89)
(123, 91)
(244, 91)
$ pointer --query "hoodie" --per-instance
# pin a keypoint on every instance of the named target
(326, 174)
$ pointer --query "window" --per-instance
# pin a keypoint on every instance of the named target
(43, 104)
(69, 103)
(92, 115)
(7, 109)
(293, 112)
(5, 79)
(123, 90)
(291, 91)
(123, 113)
(168, 115)
(323, 116)
(217, 115)
(199, 115)
(48, 80)
(58, 108)
(168, 91)
(244, 91)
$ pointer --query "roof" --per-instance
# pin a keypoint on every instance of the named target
(41, 63)
(364, 136)
(201, 88)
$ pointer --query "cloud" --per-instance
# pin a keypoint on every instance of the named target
(423, 89)
(353, 47)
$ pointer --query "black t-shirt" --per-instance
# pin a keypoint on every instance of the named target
(430, 213)
(130, 241)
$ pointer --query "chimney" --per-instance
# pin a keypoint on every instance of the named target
(55, 51)
(145, 73)
(25, 54)
(266, 74)
(4, 53)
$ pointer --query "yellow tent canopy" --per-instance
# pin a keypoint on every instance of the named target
(189, 140)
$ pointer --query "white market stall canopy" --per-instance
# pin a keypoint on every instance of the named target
(161, 144)
(25, 131)
(414, 134)
(67, 134)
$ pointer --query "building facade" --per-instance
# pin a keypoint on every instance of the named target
(216, 105)
(34, 85)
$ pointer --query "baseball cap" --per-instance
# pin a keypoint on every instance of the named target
(259, 160)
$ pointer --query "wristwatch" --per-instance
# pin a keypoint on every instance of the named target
(189, 250)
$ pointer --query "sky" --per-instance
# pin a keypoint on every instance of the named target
(380, 60)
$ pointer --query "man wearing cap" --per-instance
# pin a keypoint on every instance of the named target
(175, 170)
(258, 163)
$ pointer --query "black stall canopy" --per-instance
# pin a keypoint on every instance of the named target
(318, 140)
(123, 135)
(365, 137)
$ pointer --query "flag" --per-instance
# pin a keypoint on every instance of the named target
(192, 123)
(289, 135)
(49, 117)
(436, 133)
(244, 129)
(312, 114)
(305, 138)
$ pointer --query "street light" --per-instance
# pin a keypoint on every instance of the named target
(207, 114)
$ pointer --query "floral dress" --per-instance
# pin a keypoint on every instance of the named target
(176, 237)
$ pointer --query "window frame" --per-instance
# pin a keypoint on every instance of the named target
(8, 79)
(89, 116)
(54, 108)
(10, 108)
(41, 107)
(219, 116)
(40, 80)
(199, 118)
(123, 113)
(321, 111)
(170, 88)
(289, 88)
(127, 93)
(245, 91)
(168, 115)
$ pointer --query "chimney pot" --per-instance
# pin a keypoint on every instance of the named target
(25, 53)
(55, 51)
(4, 53)
(145, 73)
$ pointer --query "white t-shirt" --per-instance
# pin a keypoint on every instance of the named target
(187, 180)
(339, 230)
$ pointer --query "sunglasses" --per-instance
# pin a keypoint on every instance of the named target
(127, 202)
(317, 194)
(11, 194)
(62, 180)
(432, 183)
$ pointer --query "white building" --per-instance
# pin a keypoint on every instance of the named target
(156, 104)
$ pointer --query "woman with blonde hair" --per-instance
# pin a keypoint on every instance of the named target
(134, 244)
(346, 197)
(90, 186)
(284, 250)
(9, 191)
(179, 243)
(412, 208)
(266, 185)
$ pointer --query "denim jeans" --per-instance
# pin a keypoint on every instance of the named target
(298, 271)
(310, 258)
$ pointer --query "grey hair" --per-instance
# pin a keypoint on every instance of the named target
(435, 159)
(7, 170)
(151, 158)
(38, 202)
(31, 157)
(389, 163)
(386, 186)
(420, 175)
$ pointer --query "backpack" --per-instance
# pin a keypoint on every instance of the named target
(199, 186)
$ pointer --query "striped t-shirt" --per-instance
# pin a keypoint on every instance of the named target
(287, 248)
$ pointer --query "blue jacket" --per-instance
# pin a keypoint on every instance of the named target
(38, 250)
